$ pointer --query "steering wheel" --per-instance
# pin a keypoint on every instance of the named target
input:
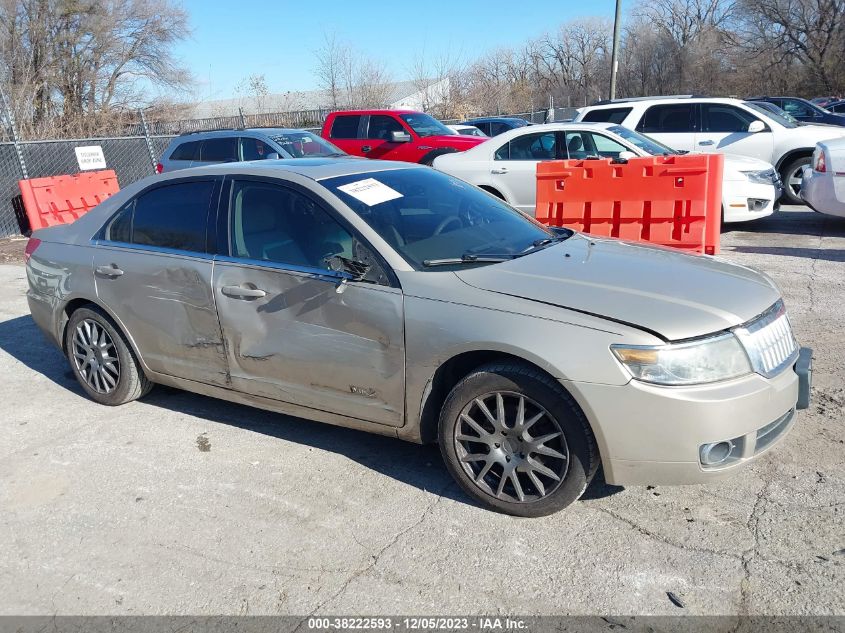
(449, 219)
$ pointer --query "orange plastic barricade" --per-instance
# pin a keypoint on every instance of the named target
(63, 199)
(668, 200)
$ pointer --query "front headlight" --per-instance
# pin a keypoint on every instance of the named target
(708, 360)
(762, 177)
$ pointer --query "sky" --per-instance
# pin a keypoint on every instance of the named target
(234, 39)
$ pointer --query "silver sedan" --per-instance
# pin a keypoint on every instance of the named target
(394, 299)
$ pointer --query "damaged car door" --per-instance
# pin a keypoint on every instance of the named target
(296, 328)
(153, 269)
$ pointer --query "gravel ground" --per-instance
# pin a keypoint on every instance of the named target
(185, 504)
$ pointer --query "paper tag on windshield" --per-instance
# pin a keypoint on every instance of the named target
(370, 191)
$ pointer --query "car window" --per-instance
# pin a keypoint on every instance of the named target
(300, 144)
(668, 118)
(346, 126)
(837, 107)
(497, 127)
(726, 118)
(606, 147)
(425, 125)
(277, 224)
(483, 126)
(425, 215)
(186, 151)
(538, 146)
(119, 228)
(381, 126)
(579, 145)
(172, 216)
(254, 149)
(797, 109)
(219, 150)
(607, 115)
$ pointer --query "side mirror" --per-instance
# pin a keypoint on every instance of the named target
(400, 137)
(756, 126)
(627, 155)
(355, 269)
(272, 156)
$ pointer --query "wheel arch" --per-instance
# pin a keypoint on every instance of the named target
(428, 159)
(492, 191)
(792, 155)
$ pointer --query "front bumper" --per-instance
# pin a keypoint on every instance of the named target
(649, 434)
(736, 195)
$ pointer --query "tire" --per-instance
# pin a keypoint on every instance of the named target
(428, 159)
(102, 360)
(788, 171)
(568, 451)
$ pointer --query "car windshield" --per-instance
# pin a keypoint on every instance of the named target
(307, 145)
(425, 125)
(433, 219)
(774, 113)
(642, 141)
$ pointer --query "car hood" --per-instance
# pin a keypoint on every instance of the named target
(814, 132)
(671, 294)
(458, 141)
(735, 165)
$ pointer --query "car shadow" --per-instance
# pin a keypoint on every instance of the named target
(797, 221)
(412, 464)
(832, 254)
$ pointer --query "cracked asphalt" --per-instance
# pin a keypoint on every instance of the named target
(181, 504)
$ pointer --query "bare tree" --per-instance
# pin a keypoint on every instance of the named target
(332, 57)
(253, 91)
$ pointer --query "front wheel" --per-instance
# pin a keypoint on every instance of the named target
(792, 174)
(516, 441)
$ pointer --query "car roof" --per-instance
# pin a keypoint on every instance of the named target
(605, 105)
(313, 168)
(494, 118)
(266, 131)
(383, 111)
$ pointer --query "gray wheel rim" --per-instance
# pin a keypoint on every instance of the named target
(510, 447)
(794, 180)
(95, 356)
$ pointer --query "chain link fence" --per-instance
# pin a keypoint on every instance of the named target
(132, 154)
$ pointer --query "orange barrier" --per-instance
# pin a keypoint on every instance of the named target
(668, 200)
(63, 199)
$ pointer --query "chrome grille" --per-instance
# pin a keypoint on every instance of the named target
(768, 341)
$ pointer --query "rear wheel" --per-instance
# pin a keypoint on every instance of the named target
(792, 174)
(102, 360)
(516, 441)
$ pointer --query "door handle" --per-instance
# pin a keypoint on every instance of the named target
(366, 148)
(109, 271)
(499, 170)
(242, 292)
(706, 142)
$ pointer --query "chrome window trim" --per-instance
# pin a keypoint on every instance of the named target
(310, 271)
(158, 250)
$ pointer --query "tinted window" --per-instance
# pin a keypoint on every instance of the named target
(255, 149)
(539, 146)
(186, 151)
(381, 126)
(676, 117)
(346, 126)
(430, 215)
(484, 127)
(219, 150)
(306, 145)
(174, 216)
(120, 227)
(608, 115)
(837, 107)
(798, 109)
(726, 118)
(496, 127)
(277, 224)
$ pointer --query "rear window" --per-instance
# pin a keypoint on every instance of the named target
(674, 117)
(219, 150)
(346, 126)
(607, 115)
(174, 216)
(186, 151)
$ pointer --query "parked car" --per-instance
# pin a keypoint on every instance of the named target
(507, 165)
(804, 111)
(771, 107)
(824, 179)
(194, 149)
(823, 102)
(467, 130)
(730, 126)
(495, 125)
(838, 107)
(404, 135)
(396, 299)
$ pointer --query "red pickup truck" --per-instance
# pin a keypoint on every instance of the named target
(412, 137)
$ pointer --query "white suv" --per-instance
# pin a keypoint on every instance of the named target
(701, 124)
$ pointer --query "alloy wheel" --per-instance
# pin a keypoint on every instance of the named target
(95, 356)
(793, 180)
(511, 447)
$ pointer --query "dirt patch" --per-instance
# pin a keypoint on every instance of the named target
(11, 250)
(203, 444)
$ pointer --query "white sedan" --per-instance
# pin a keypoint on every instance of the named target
(823, 184)
(506, 165)
(467, 130)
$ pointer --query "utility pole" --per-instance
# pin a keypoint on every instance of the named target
(614, 58)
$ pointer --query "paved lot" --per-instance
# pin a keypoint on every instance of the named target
(184, 504)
